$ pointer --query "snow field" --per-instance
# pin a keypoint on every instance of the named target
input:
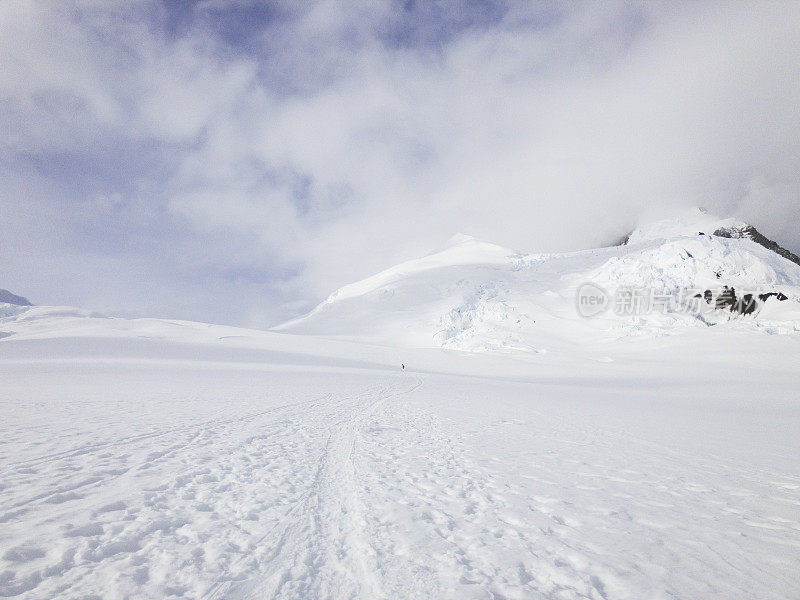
(525, 452)
(142, 479)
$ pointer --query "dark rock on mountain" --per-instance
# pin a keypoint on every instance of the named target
(745, 305)
(623, 240)
(750, 232)
(780, 296)
(726, 299)
(8, 297)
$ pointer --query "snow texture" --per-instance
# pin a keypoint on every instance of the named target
(566, 458)
(475, 296)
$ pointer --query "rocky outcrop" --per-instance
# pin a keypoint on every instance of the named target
(726, 299)
(778, 296)
(749, 232)
(9, 298)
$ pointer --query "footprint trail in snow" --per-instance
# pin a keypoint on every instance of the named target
(134, 480)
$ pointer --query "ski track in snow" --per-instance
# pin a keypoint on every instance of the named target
(646, 458)
(387, 485)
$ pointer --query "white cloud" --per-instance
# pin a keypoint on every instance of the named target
(329, 149)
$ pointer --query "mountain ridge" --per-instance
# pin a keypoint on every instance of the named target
(481, 296)
(9, 298)
(750, 232)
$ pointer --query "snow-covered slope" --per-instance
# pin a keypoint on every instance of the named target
(7, 297)
(156, 459)
(688, 223)
(408, 303)
(151, 458)
(474, 296)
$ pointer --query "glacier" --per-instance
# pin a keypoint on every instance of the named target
(524, 452)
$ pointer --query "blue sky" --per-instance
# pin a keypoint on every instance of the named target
(237, 161)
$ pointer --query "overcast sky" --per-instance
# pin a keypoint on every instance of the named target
(236, 161)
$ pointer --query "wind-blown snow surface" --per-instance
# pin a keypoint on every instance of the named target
(155, 459)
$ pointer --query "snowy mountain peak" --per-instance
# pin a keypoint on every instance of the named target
(7, 297)
(459, 238)
(744, 231)
(688, 223)
(477, 296)
(698, 221)
(462, 248)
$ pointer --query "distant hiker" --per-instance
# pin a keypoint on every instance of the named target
(402, 365)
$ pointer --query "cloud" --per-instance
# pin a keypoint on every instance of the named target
(245, 159)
